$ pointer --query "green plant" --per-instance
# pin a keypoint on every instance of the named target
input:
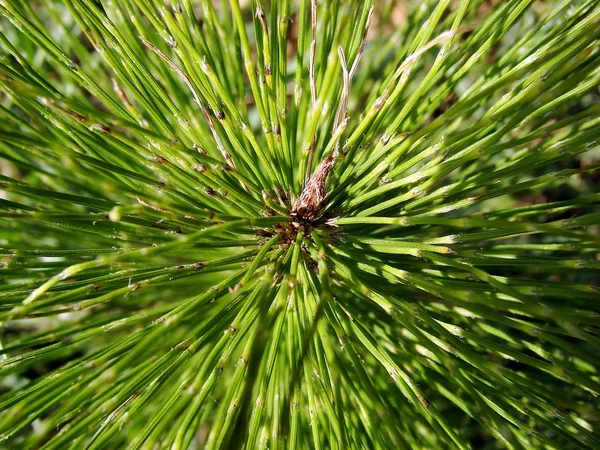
(299, 225)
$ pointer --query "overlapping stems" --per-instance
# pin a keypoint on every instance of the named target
(157, 291)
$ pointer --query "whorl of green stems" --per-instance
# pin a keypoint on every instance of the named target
(299, 224)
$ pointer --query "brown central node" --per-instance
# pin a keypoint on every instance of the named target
(307, 211)
(288, 231)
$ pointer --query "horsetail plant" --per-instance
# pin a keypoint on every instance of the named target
(299, 224)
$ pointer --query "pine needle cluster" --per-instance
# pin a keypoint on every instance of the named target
(299, 224)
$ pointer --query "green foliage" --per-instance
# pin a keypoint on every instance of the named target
(299, 224)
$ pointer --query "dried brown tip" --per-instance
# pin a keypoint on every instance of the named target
(308, 205)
